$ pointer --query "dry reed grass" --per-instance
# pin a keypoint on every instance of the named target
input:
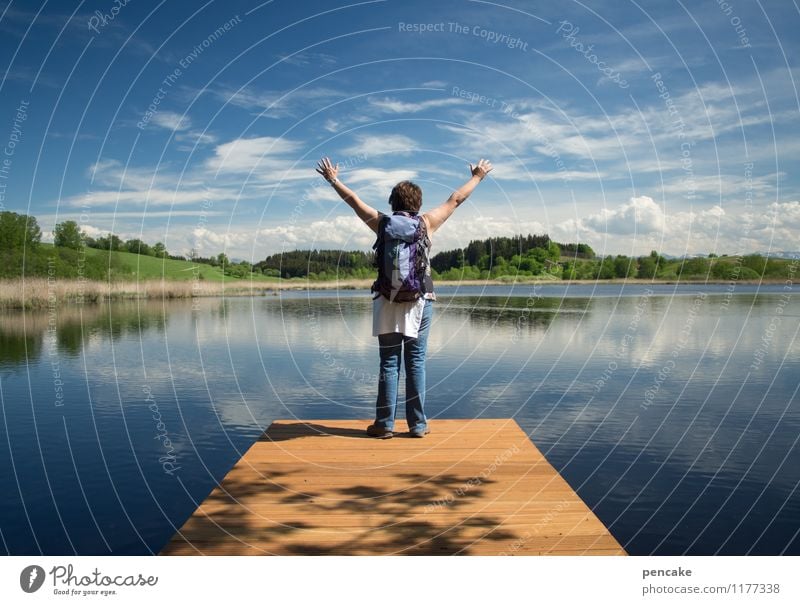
(39, 292)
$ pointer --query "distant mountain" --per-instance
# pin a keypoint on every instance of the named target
(781, 254)
(774, 254)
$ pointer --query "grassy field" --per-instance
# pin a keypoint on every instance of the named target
(149, 267)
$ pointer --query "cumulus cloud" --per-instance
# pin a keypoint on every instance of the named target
(345, 232)
(640, 215)
(641, 224)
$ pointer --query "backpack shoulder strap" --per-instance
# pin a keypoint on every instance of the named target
(382, 220)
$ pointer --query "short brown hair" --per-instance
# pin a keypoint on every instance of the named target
(406, 196)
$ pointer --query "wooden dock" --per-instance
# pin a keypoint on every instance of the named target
(477, 487)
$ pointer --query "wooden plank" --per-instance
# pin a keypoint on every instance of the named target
(323, 487)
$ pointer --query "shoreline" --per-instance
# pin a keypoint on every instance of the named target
(41, 293)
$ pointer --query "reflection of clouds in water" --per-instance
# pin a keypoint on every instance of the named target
(698, 432)
(344, 323)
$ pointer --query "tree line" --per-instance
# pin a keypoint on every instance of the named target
(491, 258)
(319, 264)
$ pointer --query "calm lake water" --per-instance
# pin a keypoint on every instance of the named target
(672, 411)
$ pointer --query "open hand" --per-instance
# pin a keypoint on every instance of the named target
(483, 168)
(327, 170)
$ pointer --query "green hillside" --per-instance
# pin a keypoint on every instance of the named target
(141, 267)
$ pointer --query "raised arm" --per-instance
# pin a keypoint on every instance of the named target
(366, 213)
(439, 215)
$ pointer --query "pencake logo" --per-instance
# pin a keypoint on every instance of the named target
(31, 578)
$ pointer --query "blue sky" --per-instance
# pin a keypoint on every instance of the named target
(626, 125)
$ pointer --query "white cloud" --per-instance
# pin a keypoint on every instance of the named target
(639, 215)
(389, 105)
(727, 185)
(277, 104)
(380, 179)
(698, 230)
(247, 155)
(171, 120)
(376, 145)
(196, 137)
(463, 227)
(345, 232)
(121, 186)
(641, 225)
(511, 169)
(151, 196)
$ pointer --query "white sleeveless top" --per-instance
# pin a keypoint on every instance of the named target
(402, 317)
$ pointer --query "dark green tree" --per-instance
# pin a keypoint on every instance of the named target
(647, 267)
(18, 231)
(67, 234)
(137, 246)
(109, 242)
(624, 266)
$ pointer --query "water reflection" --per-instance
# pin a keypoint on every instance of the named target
(651, 405)
(25, 335)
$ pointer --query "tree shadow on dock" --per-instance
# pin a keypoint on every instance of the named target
(344, 511)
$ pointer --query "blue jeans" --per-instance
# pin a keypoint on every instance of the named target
(392, 346)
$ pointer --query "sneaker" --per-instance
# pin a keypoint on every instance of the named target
(379, 432)
(419, 431)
